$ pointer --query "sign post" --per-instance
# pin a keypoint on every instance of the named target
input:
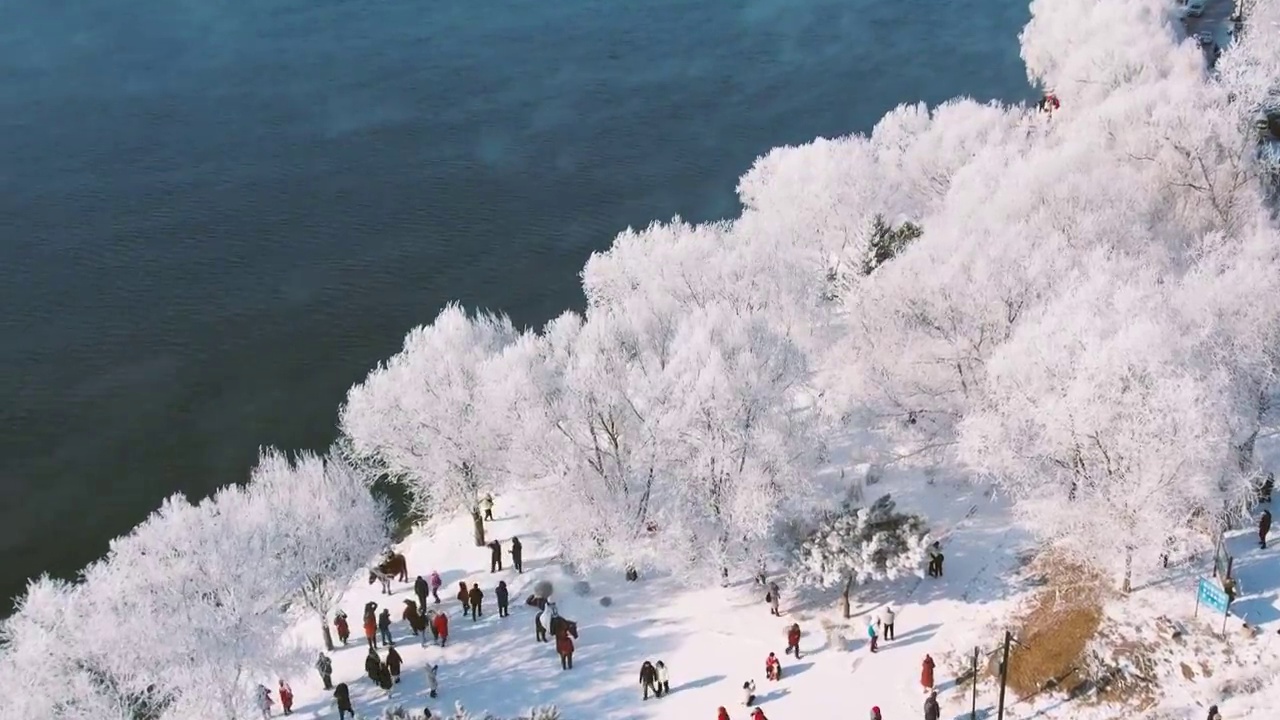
(1214, 596)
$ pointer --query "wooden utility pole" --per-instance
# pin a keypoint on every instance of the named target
(1004, 673)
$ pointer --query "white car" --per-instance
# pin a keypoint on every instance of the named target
(1195, 8)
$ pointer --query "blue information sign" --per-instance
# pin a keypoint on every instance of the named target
(1212, 595)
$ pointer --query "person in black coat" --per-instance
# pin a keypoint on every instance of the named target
(421, 589)
(495, 556)
(384, 677)
(503, 598)
(342, 696)
(517, 550)
(394, 664)
(475, 596)
(1264, 527)
(931, 709)
(371, 664)
(648, 679)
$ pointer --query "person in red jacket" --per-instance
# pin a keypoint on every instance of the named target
(758, 715)
(772, 667)
(442, 627)
(286, 697)
(340, 624)
(564, 646)
(926, 673)
(371, 631)
(723, 714)
(793, 640)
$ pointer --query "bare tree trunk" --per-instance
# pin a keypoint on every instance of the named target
(844, 598)
(328, 636)
(478, 522)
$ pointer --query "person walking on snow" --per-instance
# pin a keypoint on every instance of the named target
(773, 597)
(772, 668)
(886, 619)
(465, 598)
(935, 560)
(431, 680)
(442, 627)
(758, 715)
(495, 556)
(384, 678)
(503, 598)
(486, 504)
(286, 698)
(871, 634)
(926, 673)
(475, 596)
(517, 550)
(420, 590)
(340, 624)
(371, 664)
(394, 663)
(875, 714)
(411, 616)
(434, 581)
(264, 700)
(540, 626)
(371, 630)
(342, 697)
(722, 714)
(648, 678)
(324, 666)
(1264, 527)
(384, 626)
(931, 709)
(662, 686)
(793, 640)
(564, 648)
(749, 690)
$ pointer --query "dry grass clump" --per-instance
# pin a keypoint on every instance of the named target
(1056, 630)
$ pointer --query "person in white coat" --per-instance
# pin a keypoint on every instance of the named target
(263, 697)
(886, 620)
(663, 684)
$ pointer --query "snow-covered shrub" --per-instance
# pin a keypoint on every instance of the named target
(854, 545)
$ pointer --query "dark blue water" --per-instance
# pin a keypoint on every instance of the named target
(215, 216)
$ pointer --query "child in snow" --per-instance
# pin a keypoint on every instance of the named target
(772, 668)
(749, 690)
(663, 684)
(340, 624)
(435, 586)
(793, 640)
(871, 633)
(286, 698)
(264, 700)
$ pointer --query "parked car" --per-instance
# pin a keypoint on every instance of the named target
(1204, 39)
(1195, 8)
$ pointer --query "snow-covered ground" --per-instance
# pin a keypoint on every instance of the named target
(715, 638)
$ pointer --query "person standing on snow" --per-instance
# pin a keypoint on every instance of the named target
(394, 663)
(758, 715)
(540, 626)
(371, 664)
(722, 714)
(342, 697)
(773, 597)
(517, 552)
(263, 699)
(503, 598)
(1264, 527)
(286, 698)
(931, 709)
(926, 673)
(871, 634)
(430, 620)
(464, 598)
(648, 676)
(431, 680)
(1214, 714)
(886, 619)
(663, 684)
(486, 504)
(772, 668)
(420, 590)
(875, 714)
(413, 618)
(384, 678)
(384, 626)
(340, 624)
(935, 560)
(434, 582)
(793, 640)
(749, 690)
(324, 666)
(495, 556)
(442, 627)
(474, 597)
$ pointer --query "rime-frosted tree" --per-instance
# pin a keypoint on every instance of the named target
(855, 545)
(432, 416)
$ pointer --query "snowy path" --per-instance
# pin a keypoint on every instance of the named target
(712, 639)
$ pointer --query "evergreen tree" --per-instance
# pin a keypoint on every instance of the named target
(887, 241)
